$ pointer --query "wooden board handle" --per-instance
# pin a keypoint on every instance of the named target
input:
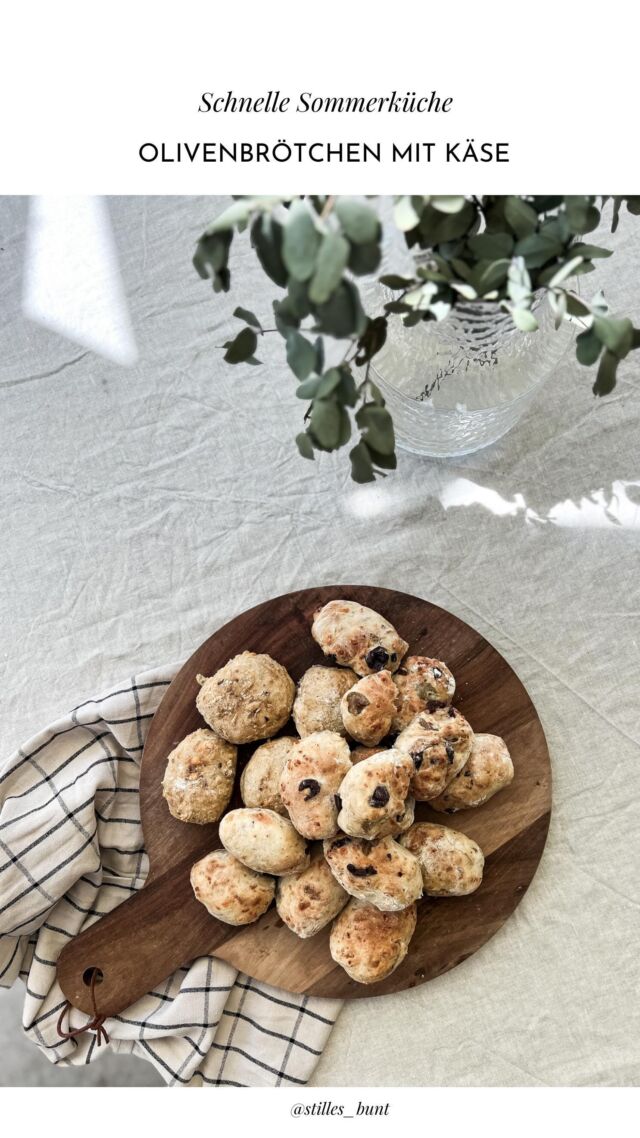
(139, 944)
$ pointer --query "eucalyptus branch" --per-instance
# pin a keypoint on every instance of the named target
(507, 250)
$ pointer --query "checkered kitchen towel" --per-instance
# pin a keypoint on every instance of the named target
(70, 851)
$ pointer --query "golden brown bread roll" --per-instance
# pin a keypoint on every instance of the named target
(439, 743)
(260, 779)
(355, 636)
(317, 704)
(308, 900)
(264, 841)
(369, 707)
(451, 863)
(229, 890)
(310, 782)
(368, 944)
(374, 796)
(250, 698)
(423, 684)
(381, 872)
(488, 769)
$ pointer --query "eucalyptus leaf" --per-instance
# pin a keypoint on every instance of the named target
(385, 461)
(581, 214)
(301, 242)
(524, 319)
(328, 382)
(405, 216)
(326, 423)
(588, 347)
(575, 306)
(589, 252)
(565, 271)
(330, 264)
(377, 425)
(358, 220)
(347, 392)
(342, 314)
(266, 238)
(521, 217)
(537, 249)
(448, 203)
(616, 335)
(298, 296)
(361, 464)
(301, 355)
(285, 316)
(305, 445)
(491, 246)
(364, 259)
(393, 281)
(248, 316)
(309, 389)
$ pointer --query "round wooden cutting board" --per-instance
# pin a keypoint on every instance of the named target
(162, 927)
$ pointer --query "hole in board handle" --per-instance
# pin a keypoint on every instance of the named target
(87, 976)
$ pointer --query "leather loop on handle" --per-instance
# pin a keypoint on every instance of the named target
(139, 944)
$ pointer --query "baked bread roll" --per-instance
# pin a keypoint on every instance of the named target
(368, 944)
(488, 770)
(317, 704)
(264, 841)
(374, 796)
(310, 782)
(357, 637)
(229, 890)
(250, 698)
(307, 901)
(439, 744)
(198, 779)
(451, 863)
(368, 709)
(381, 872)
(423, 685)
(260, 779)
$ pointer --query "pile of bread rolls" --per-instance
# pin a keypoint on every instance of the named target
(327, 827)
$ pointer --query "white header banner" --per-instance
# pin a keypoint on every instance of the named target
(341, 97)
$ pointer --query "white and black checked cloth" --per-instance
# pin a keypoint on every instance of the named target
(70, 851)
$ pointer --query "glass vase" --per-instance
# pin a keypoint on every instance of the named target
(457, 385)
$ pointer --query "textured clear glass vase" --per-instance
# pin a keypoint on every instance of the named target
(456, 385)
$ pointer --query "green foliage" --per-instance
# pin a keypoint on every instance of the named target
(507, 250)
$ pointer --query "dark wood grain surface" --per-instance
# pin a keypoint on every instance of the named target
(162, 927)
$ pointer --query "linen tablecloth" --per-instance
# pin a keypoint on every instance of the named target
(141, 508)
(71, 850)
